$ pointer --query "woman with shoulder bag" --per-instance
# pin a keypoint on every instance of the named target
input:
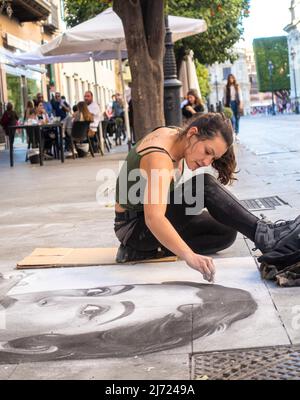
(234, 100)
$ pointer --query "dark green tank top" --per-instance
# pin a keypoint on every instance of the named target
(129, 196)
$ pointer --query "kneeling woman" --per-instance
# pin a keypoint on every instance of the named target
(161, 216)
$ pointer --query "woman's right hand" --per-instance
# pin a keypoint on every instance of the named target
(203, 264)
(190, 109)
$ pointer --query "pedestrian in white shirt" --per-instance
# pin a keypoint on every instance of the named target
(93, 109)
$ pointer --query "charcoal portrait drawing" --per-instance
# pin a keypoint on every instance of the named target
(116, 320)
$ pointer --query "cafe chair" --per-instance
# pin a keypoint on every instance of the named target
(79, 133)
(106, 140)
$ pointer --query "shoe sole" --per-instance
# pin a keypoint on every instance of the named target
(281, 261)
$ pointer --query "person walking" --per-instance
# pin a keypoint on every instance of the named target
(9, 118)
(234, 100)
(118, 114)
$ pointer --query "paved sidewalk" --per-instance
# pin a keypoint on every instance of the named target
(55, 206)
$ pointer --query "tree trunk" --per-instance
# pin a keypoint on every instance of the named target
(143, 22)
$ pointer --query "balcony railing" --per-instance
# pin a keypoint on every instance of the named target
(52, 23)
(31, 10)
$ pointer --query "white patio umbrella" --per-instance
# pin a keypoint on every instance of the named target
(36, 57)
(105, 32)
(188, 75)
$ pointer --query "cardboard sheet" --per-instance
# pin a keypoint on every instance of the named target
(80, 257)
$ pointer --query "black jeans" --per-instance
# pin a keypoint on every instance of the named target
(206, 233)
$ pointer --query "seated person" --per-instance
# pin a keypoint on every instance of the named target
(83, 114)
(193, 104)
(28, 110)
(41, 114)
(48, 133)
(46, 104)
(67, 126)
(60, 107)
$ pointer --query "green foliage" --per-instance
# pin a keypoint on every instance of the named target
(224, 20)
(273, 49)
(203, 78)
(78, 11)
(228, 112)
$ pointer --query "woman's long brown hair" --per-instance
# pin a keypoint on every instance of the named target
(235, 84)
(198, 100)
(209, 126)
(82, 108)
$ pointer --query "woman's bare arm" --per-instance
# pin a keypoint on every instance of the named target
(158, 170)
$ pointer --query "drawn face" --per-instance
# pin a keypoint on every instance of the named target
(202, 153)
(116, 320)
(93, 310)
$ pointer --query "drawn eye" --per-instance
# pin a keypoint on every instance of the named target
(43, 302)
(98, 291)
(107, 291)
(92, 310)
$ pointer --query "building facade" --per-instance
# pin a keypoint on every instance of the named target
(293, 30)
(23, 27)
(98, 77)
(31, 24)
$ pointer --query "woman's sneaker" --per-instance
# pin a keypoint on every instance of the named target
(279, 242)
(270, 235)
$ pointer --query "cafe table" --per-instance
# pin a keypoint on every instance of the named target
(39, 128)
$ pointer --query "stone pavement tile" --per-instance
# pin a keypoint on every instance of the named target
(148, 367)
(261, 328)
(287, 302)
(238, 249)
(294, 199)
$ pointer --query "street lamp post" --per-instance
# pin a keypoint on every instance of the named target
(171, 84)
(271, 68)
(217, 88)
(293, 55)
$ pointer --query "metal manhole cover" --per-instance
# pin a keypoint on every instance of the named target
(264, 203)
(265, 363)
